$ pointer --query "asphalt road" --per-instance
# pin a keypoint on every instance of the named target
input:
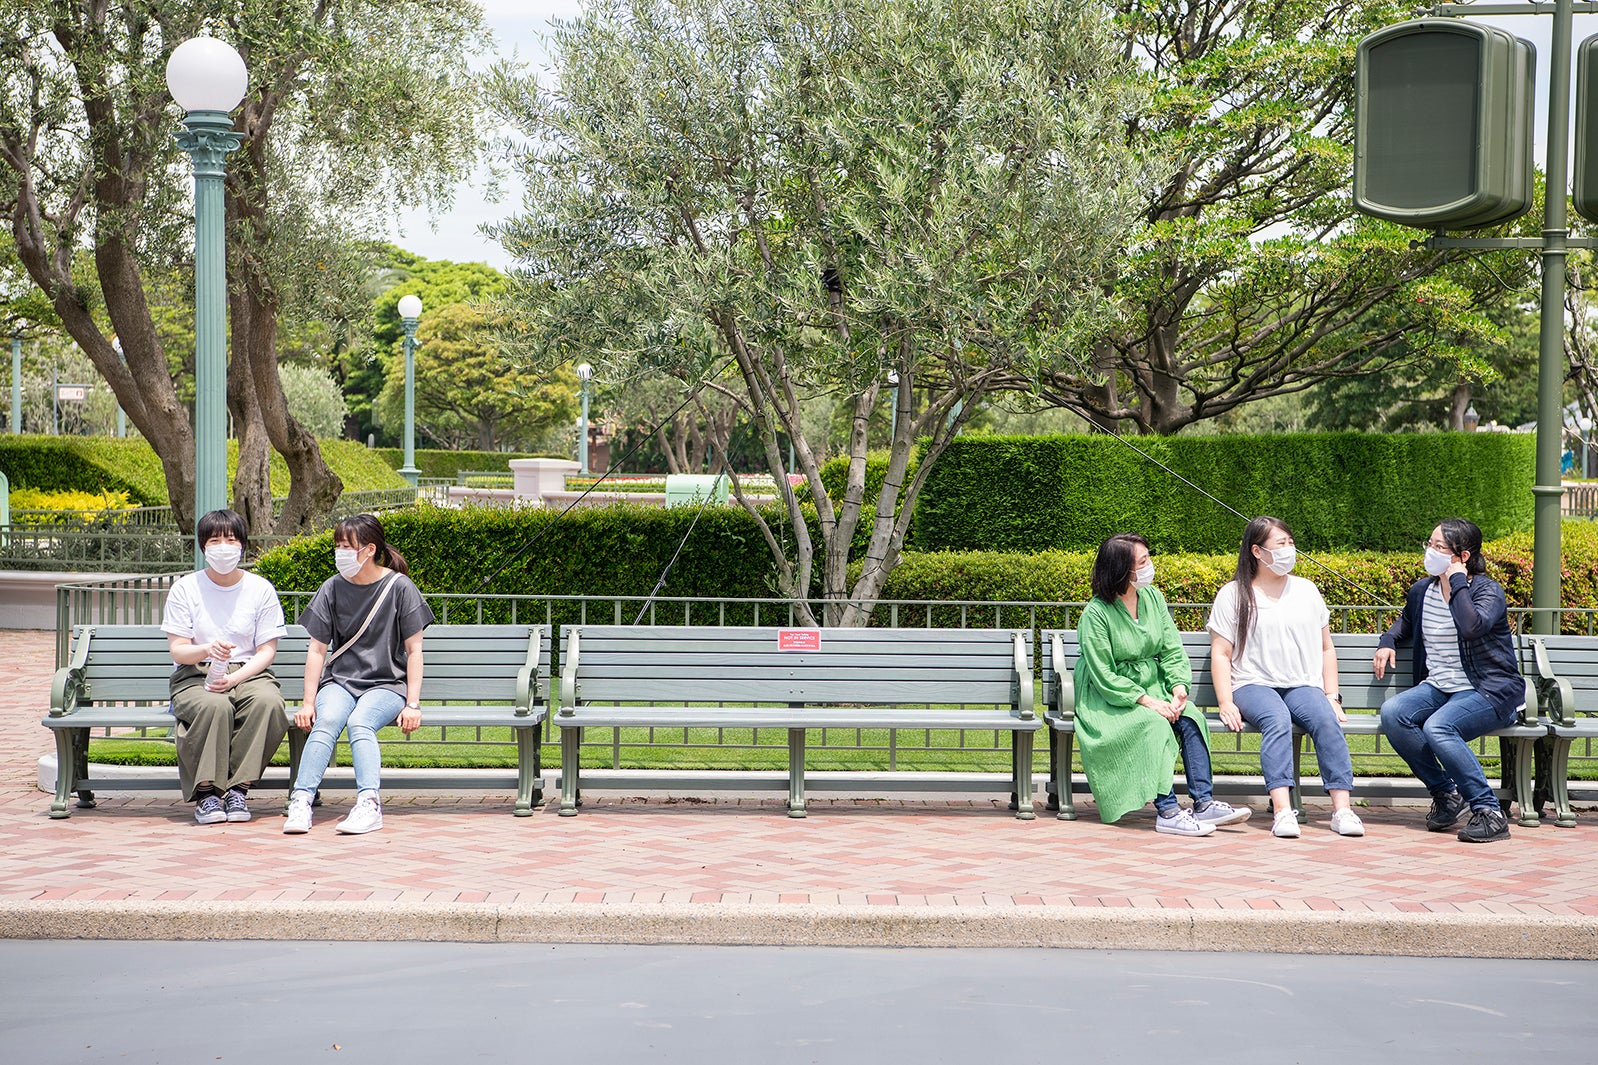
(399, 1003)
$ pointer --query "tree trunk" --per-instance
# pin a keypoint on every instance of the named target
(252, 480)
(1458, 405)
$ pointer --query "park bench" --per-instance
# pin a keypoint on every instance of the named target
(1362, 694)
(475, 676)
(620, 676)
(1567, 686)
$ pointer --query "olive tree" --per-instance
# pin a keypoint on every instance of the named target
(780, 199)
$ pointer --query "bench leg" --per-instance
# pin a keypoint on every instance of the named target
(1524, 753)
(1295, 795)
(1023, 776)
(1559, 781)
(796, 772)
(66, 770)
(526, 770)
(1062, 745)
(571, 740)
(297, 738)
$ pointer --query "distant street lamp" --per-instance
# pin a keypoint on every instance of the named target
(410, 309)
(1472, 419)
(16, 382)
(585, 373)
(122, 417)
(207, 79)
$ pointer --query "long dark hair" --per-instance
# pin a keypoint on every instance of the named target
(1113, 567)
(1461, 536)
(363, 529)
(1248, 567)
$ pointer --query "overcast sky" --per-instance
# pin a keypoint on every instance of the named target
(518, 26)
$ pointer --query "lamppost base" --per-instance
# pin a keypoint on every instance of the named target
(411, 474)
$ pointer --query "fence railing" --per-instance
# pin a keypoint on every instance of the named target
(1580, 500)
(139, 600)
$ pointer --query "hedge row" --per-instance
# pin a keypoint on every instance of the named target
(105, 464)
(1381, 492)
(433, 462)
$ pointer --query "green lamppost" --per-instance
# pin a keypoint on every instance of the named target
(16, 382)
(122, 416)
(410, 309)
(585, 373)
(207, 79)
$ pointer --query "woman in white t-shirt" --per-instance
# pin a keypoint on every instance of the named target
(1274, 666)
(222, 627)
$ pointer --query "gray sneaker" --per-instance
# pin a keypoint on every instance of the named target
(209, 811)
(1182, 823)
(1218, 813)
(236, 805)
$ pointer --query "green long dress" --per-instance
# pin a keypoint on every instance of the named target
(1128, 751)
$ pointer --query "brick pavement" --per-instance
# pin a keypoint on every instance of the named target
(624, 855)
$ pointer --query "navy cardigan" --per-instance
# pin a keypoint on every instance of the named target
(1486, 647)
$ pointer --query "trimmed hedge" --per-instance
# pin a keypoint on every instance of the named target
(434, 462)
(597, 551)
(104, 464)
(1379, 492)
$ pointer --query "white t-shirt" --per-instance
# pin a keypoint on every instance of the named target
(246, 614)
(1283, 649)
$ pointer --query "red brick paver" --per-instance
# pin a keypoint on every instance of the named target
(629, 849)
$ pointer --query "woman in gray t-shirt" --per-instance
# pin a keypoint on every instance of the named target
(371, 616)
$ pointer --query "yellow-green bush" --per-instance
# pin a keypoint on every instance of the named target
(54, 508)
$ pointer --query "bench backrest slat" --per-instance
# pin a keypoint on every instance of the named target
(743, 665)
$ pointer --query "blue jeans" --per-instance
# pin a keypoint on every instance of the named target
(336, 708)
(1274, 711)
(1195, 763)
(1432, 730)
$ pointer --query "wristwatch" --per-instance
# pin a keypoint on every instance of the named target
(413, 706)
(1338, 698)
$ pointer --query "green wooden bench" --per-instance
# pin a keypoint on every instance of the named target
(619, 676)
(1567, 686)
(475, 676)
(1362, 693)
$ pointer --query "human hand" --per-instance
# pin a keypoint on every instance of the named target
(1453, 568)
(305, 716)
(1231, 716)
(1179, 702)
(410, 720)
(1383, 660)
(220, 650)
(228, 682)
(1337, 708)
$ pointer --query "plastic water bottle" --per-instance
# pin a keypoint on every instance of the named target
(217, 673)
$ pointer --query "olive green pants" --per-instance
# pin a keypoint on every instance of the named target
(226, 738)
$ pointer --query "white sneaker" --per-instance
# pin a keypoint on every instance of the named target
(1182, 823)
(366, 817)
(1286, 825)
(298, 821)
(1347, 823)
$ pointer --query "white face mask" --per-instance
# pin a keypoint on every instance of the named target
(1144, 576)
(348, 561)
(223, 557)
(1436, 561)
(1282, 560)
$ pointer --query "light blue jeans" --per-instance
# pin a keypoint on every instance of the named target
(337, 709)
(1274, 711)
(1432, 729)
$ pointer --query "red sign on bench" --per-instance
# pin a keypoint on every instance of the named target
(798, 639)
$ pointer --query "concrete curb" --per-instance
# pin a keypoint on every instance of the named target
(1278, 932)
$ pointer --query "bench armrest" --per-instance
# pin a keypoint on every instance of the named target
(1022, 681)
(1556, 699)
(568, 676)
(527, 676)
(1064, 681)
(69, 689)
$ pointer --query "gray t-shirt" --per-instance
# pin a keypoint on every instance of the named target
(377, 659)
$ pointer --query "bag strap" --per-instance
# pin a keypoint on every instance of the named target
(388, 583)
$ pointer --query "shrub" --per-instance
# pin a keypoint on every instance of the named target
(61, 508)
(1337, 490)
(435, 462)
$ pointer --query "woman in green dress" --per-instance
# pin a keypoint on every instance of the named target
(1132, 709)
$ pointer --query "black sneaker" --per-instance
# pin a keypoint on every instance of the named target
(1485, 826)
(1445, 812)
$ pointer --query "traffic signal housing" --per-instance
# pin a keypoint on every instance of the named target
(1443, 124)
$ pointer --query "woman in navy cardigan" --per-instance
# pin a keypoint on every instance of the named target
(1466, 681)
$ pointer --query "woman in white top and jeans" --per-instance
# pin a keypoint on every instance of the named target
(1274, 666)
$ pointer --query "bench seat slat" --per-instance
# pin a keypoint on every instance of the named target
(603, 715)
(784, 689)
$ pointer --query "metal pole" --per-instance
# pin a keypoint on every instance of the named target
(582, 432)
(122, 415)
(1551, 357)
(55, 405)
(16, 382)
(208, 136)
(409, 470)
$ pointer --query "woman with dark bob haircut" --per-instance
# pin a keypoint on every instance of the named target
(222, 627)
(1132, 708)
(363, 669)
(1467, 683)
